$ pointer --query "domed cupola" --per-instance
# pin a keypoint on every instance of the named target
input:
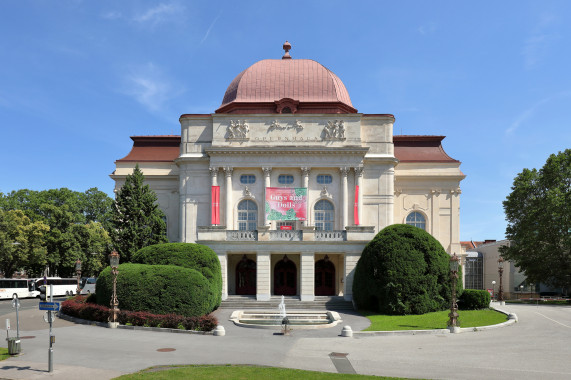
(286, 86)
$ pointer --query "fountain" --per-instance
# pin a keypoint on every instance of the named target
(299, 319)
(283, 316)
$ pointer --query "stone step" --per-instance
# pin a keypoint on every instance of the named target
(292, 303)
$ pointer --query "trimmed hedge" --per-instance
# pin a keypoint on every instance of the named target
(81, 308)
(160, 289)
(472, 299)
(186, 255)
(403, 270)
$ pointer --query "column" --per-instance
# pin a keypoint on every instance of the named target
(307, 276)
(267, 183)
(183, 176)
(263, 276)
(229, 219)
(351, 259)
(359, 183)
(344, 198)
(223, 258)
(305, 174)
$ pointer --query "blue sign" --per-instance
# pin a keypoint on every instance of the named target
(52, 306)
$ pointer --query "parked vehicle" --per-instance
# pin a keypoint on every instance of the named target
(61, 286)
(24, 288)
(88, 286)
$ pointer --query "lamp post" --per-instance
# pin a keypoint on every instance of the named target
(494, 289)
(114, 262)
(530, 288)
(78, 274)
(453, 321)
(501, 272)
(520, 290)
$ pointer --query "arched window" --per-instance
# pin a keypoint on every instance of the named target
(324, 215)
(416, 219)
(247, 215)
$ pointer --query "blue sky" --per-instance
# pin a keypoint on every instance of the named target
(77, 78)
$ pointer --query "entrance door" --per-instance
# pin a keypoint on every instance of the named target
(285, 278)
(246, 277)
(324, 278)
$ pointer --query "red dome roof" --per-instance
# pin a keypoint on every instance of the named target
(286, 85)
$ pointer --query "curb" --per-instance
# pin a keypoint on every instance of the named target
(125, 327)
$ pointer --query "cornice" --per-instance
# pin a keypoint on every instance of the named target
(287, 150)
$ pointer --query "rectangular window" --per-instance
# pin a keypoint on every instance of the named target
(324, 179)
(247, 179)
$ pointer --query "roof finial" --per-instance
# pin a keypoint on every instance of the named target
(287, 47)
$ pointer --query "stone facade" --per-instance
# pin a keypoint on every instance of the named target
(329, 154)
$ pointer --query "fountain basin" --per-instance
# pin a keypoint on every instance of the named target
(299, 320)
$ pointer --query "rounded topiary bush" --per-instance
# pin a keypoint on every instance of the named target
(403, 270)
(472, 299)
(186, 255)
(160, 289)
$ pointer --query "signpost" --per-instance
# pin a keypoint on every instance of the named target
(50, 307)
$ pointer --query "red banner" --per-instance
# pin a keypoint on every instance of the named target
(215, 216)
(356, 208)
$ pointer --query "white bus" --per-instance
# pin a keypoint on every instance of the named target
(24, 288)
(88, 285)
(62, 286)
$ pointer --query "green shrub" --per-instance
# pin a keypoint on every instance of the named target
(186, 255)
(472, 299)
(160, 289)
(403, 270)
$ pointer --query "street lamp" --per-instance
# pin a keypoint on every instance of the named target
(494, 289)
(453, 321)
(114, 262)
(530, 288)
(78, 273)
(520, 290)
(501, 272)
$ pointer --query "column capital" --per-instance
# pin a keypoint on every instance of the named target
(305, 171)
(358, 171)
(344, 171)
(267, 171)
(228, 171)
(213, 171)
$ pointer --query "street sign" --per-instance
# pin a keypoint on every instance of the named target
(48, 317)
(52, 306)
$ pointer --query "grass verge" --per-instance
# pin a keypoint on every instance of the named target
(228, 372)
(431, 321)
(4, 353)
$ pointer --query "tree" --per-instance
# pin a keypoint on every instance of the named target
(22, 243)
(136, 220)
(538, 211)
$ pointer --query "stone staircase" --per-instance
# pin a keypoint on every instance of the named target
(334, 303)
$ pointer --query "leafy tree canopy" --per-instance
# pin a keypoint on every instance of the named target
(72, 225)
(538, 212)
(136, 220)
(22, 243)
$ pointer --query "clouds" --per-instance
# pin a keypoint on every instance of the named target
(538, 43)
(210, 28)
(150, 87)
(158, 14)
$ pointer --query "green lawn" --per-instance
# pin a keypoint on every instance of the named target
(228, 372)
(431, 321)
(3, 353)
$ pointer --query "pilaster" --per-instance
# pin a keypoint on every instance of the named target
(307, 276)
(263, 273)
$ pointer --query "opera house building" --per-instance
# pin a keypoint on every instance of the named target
(287, 182)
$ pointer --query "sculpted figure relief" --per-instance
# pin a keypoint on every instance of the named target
(238, 129)
(334, 130)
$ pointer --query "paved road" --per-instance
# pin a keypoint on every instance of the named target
(535, 348)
